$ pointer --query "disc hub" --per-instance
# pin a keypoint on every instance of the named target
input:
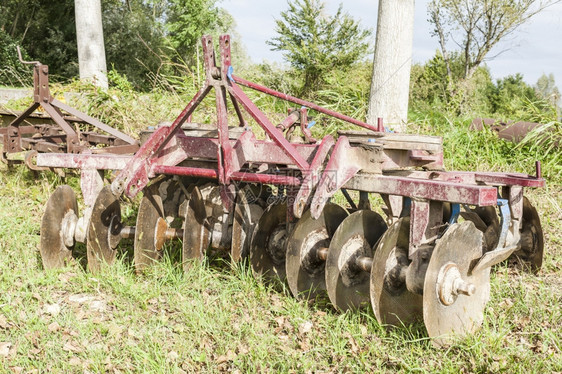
(68, 226)
(313, 242)
(450, 284)
(276, 244)
(357, 246)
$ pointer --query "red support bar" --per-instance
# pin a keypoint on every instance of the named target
(266, 178)
(305, 103)
(237, 176)
(185, 171)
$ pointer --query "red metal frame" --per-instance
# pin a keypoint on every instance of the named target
(316, 171)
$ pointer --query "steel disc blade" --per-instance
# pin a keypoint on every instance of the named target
(392, 302)
(246, 216)
(305, 270)
(196, 229)
(445, 313)
(530, 255)
(346, 283)
(268, 249)
(104, 223)
(150, 214)
(158, 208)
(62, 203)
(486, 220)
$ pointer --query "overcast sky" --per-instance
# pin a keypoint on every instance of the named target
(534, 49)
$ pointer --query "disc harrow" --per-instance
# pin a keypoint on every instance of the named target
(270, 202)
(61, 129)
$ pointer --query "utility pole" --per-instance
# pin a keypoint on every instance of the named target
(89, 35)
(392, 63)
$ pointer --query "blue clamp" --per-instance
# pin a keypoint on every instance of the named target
(505, 221)
(455, 212)
(229, 74)
(310, 124)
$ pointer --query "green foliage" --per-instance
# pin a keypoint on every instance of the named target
(188, 20)
(46, 30)
(316, 43)
(510, 94)
(143, 38)
(12, 72)
(546, 89)
(134, 39)
(431, 86)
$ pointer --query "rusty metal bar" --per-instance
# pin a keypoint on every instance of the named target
(425, 189)
(305, 103)
(264, 122)
(94, 122)
(83, 161)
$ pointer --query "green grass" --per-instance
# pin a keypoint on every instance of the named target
(218, 318)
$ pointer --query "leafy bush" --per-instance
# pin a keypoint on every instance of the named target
(12, 72)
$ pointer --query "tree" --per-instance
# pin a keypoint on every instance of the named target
(476, 26)
(547, 90)
(89, 35)
(392, 61)
(140, 35)
(316, 43)
(188, 20)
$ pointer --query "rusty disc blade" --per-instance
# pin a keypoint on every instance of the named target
(346, 283)
(486, 220)
(150, 213)
(267, 249)
(158, 208)
(305, 269)
(246, 216)
(530, 255)
(62, 203)
(446, 313)
(196, 229)
(105, 223)
(392, 302)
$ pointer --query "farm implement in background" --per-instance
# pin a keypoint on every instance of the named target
(62, 130)
(220, 189)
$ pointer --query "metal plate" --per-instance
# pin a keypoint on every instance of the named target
(392, 302)
(530, 255)
(246, 216)
(267, 249)
(305, 270)
(460, 247)
(346, 283)
(196, 229)
(105, 222)
(61, 204)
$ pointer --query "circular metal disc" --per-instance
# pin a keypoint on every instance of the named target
(346, 283)
(305, 270)
(150, 214)
(460, 247)
(485, 218)
(268, 249)
(105, 223)
(532, 239)
(196, 229)
(246, 216)
(60, 204)
(158, 208)
(392, 302)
